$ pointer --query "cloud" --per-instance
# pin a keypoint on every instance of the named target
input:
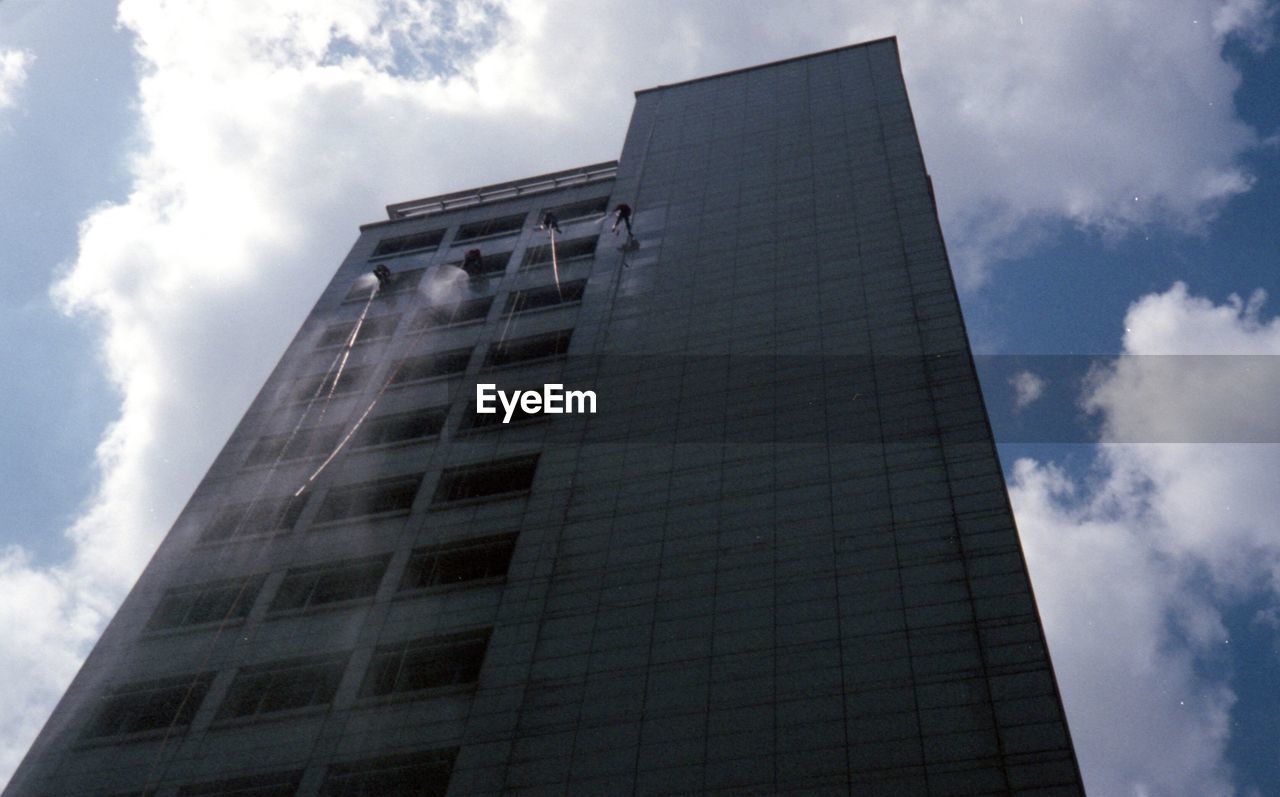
(1027, 389)
(268, 129)
(1106, 116)
(13, 74)
(1134, 566)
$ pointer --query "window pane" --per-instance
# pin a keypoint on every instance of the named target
(496, 478)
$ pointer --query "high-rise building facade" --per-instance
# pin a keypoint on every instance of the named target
(777, 557)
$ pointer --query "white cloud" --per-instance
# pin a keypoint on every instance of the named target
(1108, 116)
(13, 74)
(1027, 389)
(270, 128)
(1134, 567)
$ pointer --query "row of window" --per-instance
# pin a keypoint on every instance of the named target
(270, 516)
(487, 228)
(420, 774)
(333, 582)
(434, 365)
(492, 264)
(403, 668)
(445, 315)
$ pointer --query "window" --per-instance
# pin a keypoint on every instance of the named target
(544, 296)
(382, 326)
(281, 686)
(444, 315)
(401, 282)
(276, 784)
(314, 442)
(212, 602)
(408, 243)
(431, 366)
(481, 481)
(580, 211)
(536, 256)
(304, 587)
(316, 386)
(423, 774)
(400, 428)
(489, 264)
(148, 706)
(425, 664)
(530, 349)
(455, 563)
(369, 498)
(490, 227)
(259, 518)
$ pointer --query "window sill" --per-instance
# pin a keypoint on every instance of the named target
(547, 309)
(272, 716)
(453, 325)
(152, 735)
(320, 608)
(357, 519)
(360, 342)
(396, 444)
(404, 253)
(441, 589)
(483, 499)
(561, 263)
(211, 544)
(373, 701)
(493, 236)
(182, 630)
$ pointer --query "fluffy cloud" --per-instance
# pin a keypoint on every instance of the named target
(1108, 116)
(269, 128)
(13, 73)
(1133, 567)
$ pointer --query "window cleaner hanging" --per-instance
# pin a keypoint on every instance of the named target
(384, 276)
(473, 263)
(549, 222)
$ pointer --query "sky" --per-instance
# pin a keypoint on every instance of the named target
(181, 178)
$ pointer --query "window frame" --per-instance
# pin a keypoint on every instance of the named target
(244, 591)
(425, 654)
(313, 581)
(344, 492)
(257, 682)
(185, 693)
(485, 228)
(427, 559)
(447, 495)
(381, 253)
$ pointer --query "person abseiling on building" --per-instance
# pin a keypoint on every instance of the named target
(549, 222)
(622, 215)
(384, 276)
(473, 263)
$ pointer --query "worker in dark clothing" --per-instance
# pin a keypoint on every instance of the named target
(384, 276)
(549, 222)
(473, 263)
(622, 215)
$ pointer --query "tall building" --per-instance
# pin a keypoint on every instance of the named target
(778, 557)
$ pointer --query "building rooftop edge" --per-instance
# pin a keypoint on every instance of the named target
(510, 189)
(739, 71)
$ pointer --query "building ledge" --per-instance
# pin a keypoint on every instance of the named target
(583, 175)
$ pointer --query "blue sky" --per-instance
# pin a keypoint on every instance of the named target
(181, 179)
